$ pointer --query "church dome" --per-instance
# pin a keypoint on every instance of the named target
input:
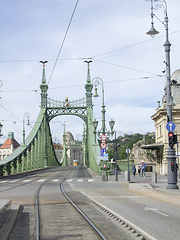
(176, 76)
(175, 86)
(69, 137)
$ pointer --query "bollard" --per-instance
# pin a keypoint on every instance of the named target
(154, 178)
(103, 176)
(127, 176)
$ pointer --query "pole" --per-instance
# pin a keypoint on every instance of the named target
(116, 176)
(106, 172)
(171, 157)
(127, 151)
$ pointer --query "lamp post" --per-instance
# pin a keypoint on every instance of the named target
(98, 81)
(1, 129)
(172, 175)
(128, 172)
(27, 115)
(111, 123)
(104, 136)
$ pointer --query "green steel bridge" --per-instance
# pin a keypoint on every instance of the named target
(37, 151)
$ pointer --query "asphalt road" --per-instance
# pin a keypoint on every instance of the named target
(159, 219)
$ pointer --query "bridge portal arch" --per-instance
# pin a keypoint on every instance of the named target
(82, 108)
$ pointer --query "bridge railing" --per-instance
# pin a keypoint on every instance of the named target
(38, 151)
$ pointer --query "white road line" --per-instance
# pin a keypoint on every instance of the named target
(41, 180)
(4, 181)
(155, 210)
(27, 180)
(14, 181)
(69, 180)
(55, 180)
(124, 219)
(90, 180)
(80, 180)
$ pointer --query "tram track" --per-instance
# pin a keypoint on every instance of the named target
(95, 232)
(55, 210)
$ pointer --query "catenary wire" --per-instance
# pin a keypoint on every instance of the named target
(10, 113)
(63, 40)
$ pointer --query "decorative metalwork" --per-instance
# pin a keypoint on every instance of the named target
(76, 111)
(55, 103)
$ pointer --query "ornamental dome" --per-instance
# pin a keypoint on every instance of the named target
(175, 86)
(69, 137)
(176, 76)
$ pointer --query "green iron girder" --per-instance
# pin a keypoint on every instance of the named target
(75, 111)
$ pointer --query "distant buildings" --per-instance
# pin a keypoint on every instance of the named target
(74, 150)
(8, 146)
(160, 120)
(58, 151)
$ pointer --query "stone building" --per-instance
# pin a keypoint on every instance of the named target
(58, 151)
(160, 120)
(8, 146)
(74, 150)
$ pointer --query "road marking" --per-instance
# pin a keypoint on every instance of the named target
(156, 210)
(69, 180)
(90, 180)
(124, 219)
(55, 180)
(3, 181)
(41, 180)
(80, 180)
(14, 181)
(27, 180)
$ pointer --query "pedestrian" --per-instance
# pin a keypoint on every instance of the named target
(143, 167)
(134, 170)
(139, 171)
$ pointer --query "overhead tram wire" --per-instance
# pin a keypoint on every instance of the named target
(11, 113)
(63, 40)
(81, 85)
(132, 45)
(117, 65)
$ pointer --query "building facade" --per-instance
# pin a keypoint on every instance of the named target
(74, 150)
(9, 146)
(160, 121)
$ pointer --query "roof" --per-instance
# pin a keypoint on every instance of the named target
(9, 142)
(153, 145)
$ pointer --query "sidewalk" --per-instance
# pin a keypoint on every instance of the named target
(145, 187)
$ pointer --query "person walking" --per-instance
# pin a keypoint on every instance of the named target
(143, 167)
(139, 171)
(134, 170)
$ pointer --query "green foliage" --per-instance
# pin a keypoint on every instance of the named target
(127, 141)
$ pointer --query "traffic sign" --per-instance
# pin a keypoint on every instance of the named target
(103, 137)
(170, 126)
(102, 151)
(105, 157)
(103, 145)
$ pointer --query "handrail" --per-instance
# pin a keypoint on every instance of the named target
(22, 148)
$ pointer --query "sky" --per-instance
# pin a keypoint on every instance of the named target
(110, 32)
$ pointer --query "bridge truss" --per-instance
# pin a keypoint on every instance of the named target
(38, 151)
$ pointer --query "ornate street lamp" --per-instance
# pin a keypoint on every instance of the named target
(98, 81)
(172, 175)
(1, 130)
(27, 115)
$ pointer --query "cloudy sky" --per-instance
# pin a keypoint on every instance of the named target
(111, 32)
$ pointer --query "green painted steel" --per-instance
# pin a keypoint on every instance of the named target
(32, 155)
(38, 151)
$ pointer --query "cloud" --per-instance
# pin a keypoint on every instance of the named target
(112, 32)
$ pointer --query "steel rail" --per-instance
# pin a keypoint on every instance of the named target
(79, 210)
(37, 209)
(37, 206)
